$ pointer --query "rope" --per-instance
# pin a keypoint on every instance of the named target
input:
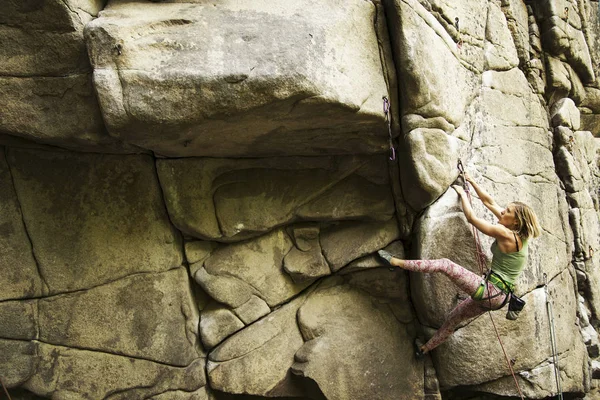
(552, 337)
(480, 257)
(5, 390)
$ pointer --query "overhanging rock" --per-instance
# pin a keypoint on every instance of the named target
(209, 80)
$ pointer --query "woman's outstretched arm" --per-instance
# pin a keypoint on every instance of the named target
(495, 231)
(485, 197)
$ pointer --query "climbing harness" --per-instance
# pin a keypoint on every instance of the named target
(388, 119)
(480, 257)
(5, 390)
(552, 338)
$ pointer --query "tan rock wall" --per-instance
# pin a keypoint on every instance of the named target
(192, 195)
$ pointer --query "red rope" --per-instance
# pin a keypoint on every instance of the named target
(481, 262)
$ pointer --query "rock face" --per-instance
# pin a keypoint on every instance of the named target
(192, 196)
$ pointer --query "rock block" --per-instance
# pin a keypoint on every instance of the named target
(342, 328)
(63, 372)
(310, 84)
(267, 346)
(218, 199)
(255, 265)
(19, 277)
(149, 316)
(93, 218)
(217, 322)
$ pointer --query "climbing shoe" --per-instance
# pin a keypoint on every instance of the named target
(387, 256)
(418, 352)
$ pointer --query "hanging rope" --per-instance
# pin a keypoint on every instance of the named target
(480, 257)
(5, 390)
(552, 338)
(388, 119)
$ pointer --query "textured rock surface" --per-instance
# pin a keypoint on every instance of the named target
(211, 231)
(297, 88)
(83, 211)
(344, 327)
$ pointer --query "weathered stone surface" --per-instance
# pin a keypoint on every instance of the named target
(19, 277)
(267, 346)
(373, 260)
(256, 265)
(93, 218)
(518, 24)
(149, 316)
(62, 372)
(296, 88)
(306, 260)
(217, 322)
(200, 394)
(217, 199)
(351, 240)
(50, 15)
(17, 361)
(19, 319)
(252, 310)
(565, 113)
(342, 328)
(434, 92)
(500, 50)
(527, 341)
(41, 53)
(60, 111)
(562, 34)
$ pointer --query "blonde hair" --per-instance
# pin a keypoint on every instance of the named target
(527, 222)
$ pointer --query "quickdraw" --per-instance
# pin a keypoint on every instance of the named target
(388, 119)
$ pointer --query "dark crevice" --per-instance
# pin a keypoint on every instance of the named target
(81, 348)
(45, 288)
(50, 296)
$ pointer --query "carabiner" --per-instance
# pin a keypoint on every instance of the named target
(386, 105)
(460, 167)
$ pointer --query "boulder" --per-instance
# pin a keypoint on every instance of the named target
(256, 264)
(93, 218)
(343, 328)
(267, 346)
(217, 199)
(20, 277)
(296, 88)
(147, 316)
(63, 372)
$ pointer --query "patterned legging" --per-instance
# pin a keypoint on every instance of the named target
(465, 280)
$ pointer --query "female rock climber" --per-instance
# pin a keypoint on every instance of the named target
(517, 223)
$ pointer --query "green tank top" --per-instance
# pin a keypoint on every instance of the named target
(509, 265)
